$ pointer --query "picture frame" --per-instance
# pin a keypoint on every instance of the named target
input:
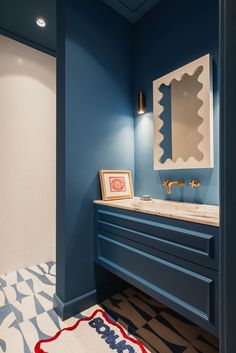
(116, 184)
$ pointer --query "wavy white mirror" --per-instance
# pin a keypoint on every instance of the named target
(183, 121)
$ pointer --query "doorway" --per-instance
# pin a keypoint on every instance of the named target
(27, 156)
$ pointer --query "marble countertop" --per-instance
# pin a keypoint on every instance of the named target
(191, 212)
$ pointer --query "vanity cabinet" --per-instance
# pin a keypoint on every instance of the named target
(174, 261)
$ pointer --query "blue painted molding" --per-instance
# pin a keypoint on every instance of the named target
(68, 309)
(130, 10)
(157, 292)
(106, 286)
(28, 42)
(228, 170)
(194, 242)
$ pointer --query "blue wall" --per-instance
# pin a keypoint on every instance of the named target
(98, 75)
(95, 131)
(171, 35)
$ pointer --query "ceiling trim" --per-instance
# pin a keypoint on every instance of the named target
(27, 42)
(127, 12)
(129, 8)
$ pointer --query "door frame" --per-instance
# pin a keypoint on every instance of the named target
(227, 175)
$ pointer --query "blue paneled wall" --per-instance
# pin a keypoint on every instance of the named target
(173, 34)
(95, 131)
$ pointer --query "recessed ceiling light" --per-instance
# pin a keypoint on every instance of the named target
(41, 22)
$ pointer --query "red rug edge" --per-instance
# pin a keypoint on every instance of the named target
(38, 349)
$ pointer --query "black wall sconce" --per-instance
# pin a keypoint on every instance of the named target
(141, 103)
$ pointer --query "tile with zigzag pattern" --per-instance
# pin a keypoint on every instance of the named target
(10, 278)
(160, 329)
(3, 298)
(7, 317)
(13, 341)
(39, 327)
(30, 306)
(17, 291)
(49, 268)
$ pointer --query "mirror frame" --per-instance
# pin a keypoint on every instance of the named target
(206, 145)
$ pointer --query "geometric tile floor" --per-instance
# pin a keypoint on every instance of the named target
(159, 328)
(26, 316)
(26, 307)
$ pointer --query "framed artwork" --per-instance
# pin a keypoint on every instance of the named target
(116, 184)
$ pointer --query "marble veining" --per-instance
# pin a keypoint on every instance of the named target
(191, 212)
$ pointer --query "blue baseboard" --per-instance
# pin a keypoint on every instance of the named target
(74, 306)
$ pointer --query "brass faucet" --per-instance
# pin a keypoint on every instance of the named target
(168, 184)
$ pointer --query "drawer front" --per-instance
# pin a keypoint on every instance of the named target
(194, 242)
(191, 291)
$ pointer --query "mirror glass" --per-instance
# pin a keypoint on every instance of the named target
(180, 117)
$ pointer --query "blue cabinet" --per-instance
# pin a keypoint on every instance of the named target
(174, 261)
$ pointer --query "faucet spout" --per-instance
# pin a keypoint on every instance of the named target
(168, 184)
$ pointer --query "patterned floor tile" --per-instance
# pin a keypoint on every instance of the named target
(120, 307)
(160, 329)
(12, 341)
(42, 283)
(3, 298)
(40, 327)
(10, 278)
(31, 272)
(203, 346)
(49, 268)
(17, 291)
(62, 324)
(149, 300)
(208, 337)
(45, 299)
(7, 317)
(161, 337)
(52, 279)
(31, 306)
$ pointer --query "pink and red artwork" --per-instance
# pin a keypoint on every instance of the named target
(117, 184)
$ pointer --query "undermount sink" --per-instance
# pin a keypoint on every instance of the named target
(192, 212)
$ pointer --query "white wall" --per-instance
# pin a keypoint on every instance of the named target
(27, 155)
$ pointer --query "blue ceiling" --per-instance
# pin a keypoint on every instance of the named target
(132, 10)
(17, 18)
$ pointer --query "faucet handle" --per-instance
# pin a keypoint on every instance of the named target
(195, 183)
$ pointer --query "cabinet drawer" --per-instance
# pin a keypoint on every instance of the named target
(194, 242)
(189, 289)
